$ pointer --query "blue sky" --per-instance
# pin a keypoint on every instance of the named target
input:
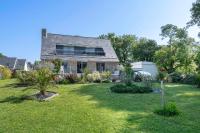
(22, 20)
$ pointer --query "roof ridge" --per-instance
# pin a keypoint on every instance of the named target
(78, 36)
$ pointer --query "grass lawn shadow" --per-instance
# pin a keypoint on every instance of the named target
(16, 99)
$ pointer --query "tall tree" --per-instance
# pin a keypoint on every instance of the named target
(122, 46)
(177, 54)
(144, 50)
(195, 17)
(1, 55)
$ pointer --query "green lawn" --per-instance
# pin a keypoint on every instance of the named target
(92, 108)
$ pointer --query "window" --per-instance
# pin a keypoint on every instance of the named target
(100, 67)
(81, 66)
(90, 51)
(77, 50)
(65, 67)
(99, 52)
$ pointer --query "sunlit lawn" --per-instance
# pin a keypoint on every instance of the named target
(93, 108)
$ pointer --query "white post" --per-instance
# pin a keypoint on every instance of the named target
(162, 94)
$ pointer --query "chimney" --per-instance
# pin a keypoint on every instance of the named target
(44, 33)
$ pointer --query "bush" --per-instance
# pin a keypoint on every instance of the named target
(26, 77)
(105, 77)
(189, 79)
(198, 80)
(128, 74)
(5, 73)
(43, 80)
(170, 109)
(94, 77)
(71, 78)
(132, 88)
(161, 75)
(176, 77)
(57, 64)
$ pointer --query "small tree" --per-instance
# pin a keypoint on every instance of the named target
(44, 80)
(161, 77)
(57, 64)
(128, 74)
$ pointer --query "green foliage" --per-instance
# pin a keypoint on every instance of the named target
(178, 54)
(57, 64)
(105, 76)
(106, 112)
(198, 80)
(131, 88)
(129, 47)
(170, 109)
(1, 55)
(5, 73)
(128, 74)
(94, 77)
(162, 75)
(44, 80)
(195, 14)
(122, 46)
(144, 49)
(86, 71)
(26, 77)
(99, 77)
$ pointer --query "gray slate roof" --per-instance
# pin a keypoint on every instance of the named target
(8, 62)
(20, 64)
(49, 46)
(13, 63)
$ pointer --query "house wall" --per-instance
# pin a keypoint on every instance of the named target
(111, 66)
(91, 65)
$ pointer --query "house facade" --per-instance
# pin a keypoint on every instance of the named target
(78, 53)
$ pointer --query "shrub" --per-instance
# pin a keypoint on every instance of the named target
(26, 77)
(128, 74)
(72, 78)
(170, 109)
(5, 73)
(198, 80)
(90, 78)
(57, 64)
(94, 77)
(85, 73)
(105, 77)
(161, 75)
(131, 88)
(175, 77)
(188, 79)
(44, 78)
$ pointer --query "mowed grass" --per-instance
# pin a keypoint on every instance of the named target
(92, 108)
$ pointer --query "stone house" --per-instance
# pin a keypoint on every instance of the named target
(78, 53)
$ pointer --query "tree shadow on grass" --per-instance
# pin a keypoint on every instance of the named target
(140, 108)
(115, 101)
(16, 99)
(15, 85)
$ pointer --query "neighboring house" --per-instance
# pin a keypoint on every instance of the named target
(78, 52)
(149, 67)
(14, 63)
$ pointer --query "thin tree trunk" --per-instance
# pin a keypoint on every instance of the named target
(162, 94)
(42, 92)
